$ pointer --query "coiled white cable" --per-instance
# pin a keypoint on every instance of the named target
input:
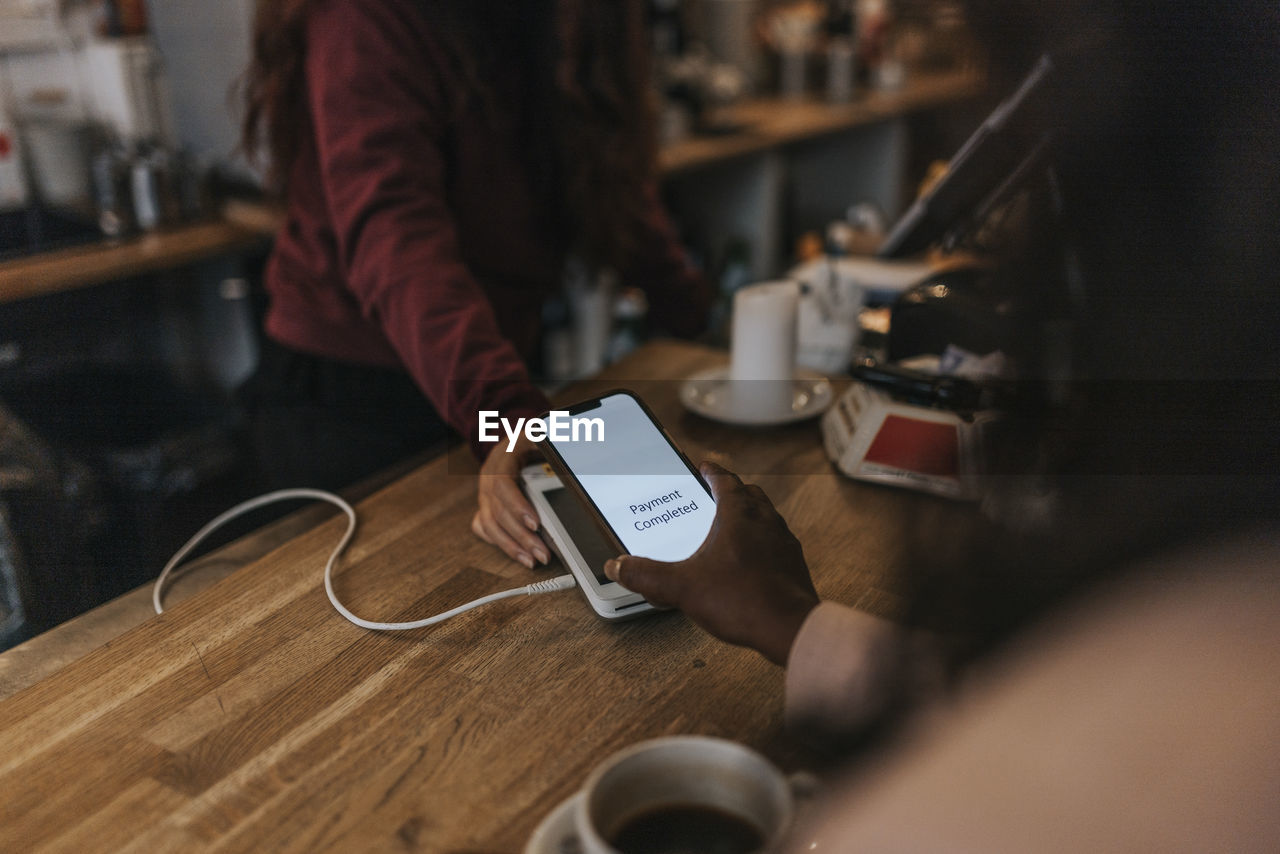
(551, 585)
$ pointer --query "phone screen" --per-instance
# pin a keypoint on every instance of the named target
(582, 530)
(640, 485)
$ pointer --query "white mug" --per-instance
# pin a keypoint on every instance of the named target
(692, 774)
(762, 349)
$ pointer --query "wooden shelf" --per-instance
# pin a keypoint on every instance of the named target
(772, 122)
(768, 123)
(83, 266)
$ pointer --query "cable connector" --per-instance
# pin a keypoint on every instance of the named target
(551, 585)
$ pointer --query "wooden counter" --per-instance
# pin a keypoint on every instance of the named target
(252, 717)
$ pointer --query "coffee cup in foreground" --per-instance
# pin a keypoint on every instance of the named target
(684, 793)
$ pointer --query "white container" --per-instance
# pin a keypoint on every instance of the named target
(591, 299)
(128, 90)
(762, 361)
(59, 153)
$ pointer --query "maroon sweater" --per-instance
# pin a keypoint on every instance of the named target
(415, 235)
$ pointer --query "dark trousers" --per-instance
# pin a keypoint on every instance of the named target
(326, 424)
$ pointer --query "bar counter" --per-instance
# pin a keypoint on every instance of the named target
(252, 717)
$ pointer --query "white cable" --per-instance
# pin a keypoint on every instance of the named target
(551, 585)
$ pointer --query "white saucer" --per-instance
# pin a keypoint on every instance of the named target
(706, 393)
(555, 835)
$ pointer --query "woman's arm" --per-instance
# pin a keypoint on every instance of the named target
(378, 105)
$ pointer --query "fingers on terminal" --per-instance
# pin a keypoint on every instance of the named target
(491, 531)
(518, 530)
(637, 574)
(511, 496)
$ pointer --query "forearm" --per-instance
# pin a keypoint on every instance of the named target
(379, 111)
(844, 669)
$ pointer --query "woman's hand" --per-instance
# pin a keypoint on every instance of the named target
(748, 584)
(505, 517)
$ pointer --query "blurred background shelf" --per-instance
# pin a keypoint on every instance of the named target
(83, 266)
(768, 123)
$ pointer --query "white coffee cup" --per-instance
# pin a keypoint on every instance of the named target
(762, 357)
(680, 772)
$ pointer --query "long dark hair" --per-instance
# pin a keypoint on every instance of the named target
(587, 70)
(275, 120)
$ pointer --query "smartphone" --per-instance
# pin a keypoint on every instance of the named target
(643, 492)
(576, 539)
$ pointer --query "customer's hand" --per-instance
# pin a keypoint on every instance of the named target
(748, 584)
(505, 517)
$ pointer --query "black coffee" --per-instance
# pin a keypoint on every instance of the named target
(687, 829)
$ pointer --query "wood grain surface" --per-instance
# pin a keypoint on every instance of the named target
(82, 266)
(252, 717)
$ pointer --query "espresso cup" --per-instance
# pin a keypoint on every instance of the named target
(668, 794)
